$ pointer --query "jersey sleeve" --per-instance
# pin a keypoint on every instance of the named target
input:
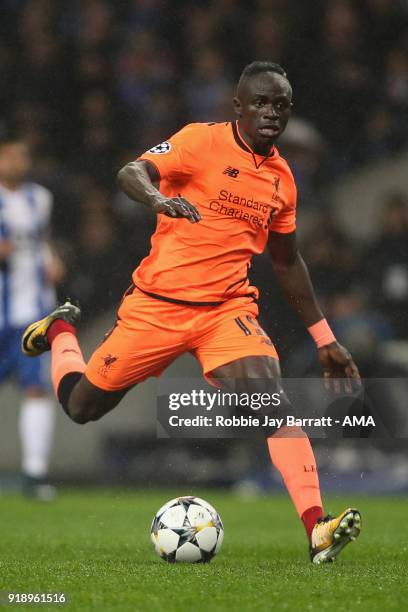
(182, 155)
(285, 221)
(44, 205)
(49, 207)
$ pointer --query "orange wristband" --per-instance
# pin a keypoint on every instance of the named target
(321, 333)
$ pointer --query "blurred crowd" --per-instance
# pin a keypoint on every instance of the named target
(93, 83)
(363, 289)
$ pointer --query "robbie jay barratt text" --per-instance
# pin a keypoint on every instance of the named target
(267, 421)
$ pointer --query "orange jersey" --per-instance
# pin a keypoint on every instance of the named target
(240, 196)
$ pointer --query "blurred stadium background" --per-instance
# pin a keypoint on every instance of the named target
(93, 83)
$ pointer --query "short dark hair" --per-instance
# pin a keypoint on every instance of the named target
(258, 67)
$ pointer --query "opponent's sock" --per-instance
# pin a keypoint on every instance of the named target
(292, 455)
(36, 427)
(67, 362)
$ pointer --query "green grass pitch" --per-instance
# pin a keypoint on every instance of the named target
(95, 546)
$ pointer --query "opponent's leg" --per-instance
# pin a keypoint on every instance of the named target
(292, 454)
(36, 428)
(81, 400)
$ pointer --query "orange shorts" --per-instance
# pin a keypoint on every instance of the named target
(151, 333)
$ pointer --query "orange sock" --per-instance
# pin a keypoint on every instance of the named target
(292, 455)
(66, 358)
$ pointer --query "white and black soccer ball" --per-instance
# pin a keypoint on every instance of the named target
(187, 529)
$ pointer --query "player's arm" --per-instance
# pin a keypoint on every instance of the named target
(55, 268)
(293, 277)
(137, 181)
(6, 248)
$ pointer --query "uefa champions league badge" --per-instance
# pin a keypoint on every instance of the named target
(160, 149)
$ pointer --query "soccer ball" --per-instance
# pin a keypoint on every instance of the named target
(187, 529)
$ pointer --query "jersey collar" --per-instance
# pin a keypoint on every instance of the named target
(258, 159)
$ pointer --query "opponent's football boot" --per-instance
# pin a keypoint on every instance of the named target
(34, 340)
(330, 535)
(38, 489)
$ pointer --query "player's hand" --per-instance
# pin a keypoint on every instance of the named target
(55, 269)
(177, 208)
(6, 249)
(338, 367)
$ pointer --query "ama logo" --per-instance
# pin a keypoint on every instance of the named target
(358, 421)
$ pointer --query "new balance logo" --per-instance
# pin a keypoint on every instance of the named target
(233, 172)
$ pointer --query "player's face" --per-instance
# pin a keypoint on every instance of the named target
(15, 162)
(263, 107)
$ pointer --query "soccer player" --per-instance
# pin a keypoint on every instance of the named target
(28, 270)
(225, 194)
